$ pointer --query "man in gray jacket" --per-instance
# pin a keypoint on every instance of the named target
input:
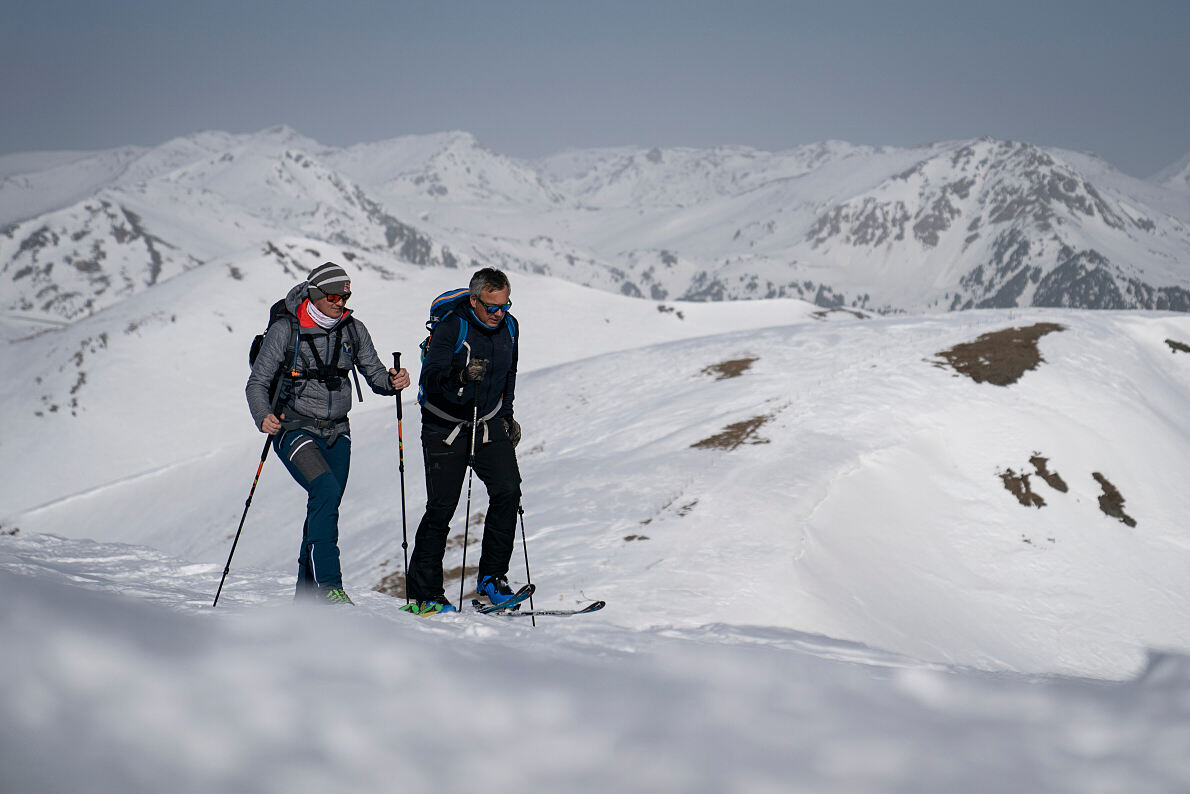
(316, 352)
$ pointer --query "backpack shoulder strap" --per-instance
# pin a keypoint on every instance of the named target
(294, 338)
(284, 374)
(351, 332)
(462, 333)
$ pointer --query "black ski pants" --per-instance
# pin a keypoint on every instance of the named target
(446, 468)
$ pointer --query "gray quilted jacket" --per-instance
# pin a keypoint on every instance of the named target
(310, 404)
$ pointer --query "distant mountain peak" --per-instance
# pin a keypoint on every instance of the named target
(1175, 176)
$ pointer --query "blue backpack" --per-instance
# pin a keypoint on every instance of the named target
(445, 305)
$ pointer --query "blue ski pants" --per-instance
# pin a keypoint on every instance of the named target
(321, 469)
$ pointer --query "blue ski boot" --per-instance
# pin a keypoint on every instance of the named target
(495, 589)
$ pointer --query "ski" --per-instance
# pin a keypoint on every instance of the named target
(594, 606)
(520, 595)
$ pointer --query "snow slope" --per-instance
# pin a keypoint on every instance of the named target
(848, 600)
(128, 388)
(864, 467)
(109, 693)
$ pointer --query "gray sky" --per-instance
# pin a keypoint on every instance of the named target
(529, 78)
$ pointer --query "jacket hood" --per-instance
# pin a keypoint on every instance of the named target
(296, 295)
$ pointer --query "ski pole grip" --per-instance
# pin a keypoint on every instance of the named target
(397, 367)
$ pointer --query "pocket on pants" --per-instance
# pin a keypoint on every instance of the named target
(305, 456)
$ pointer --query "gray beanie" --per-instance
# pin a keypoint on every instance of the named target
(328, 279)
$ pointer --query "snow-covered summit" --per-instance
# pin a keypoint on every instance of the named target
(1038, 231)
(450, 167)
(664, 177)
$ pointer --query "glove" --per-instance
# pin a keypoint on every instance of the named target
(514, 431)
(474, 371)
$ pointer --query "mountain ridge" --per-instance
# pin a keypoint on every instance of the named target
(944, 226)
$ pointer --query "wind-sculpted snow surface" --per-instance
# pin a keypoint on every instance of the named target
(109, 692)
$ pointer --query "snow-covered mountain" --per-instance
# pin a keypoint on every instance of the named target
(450, 167)
(185, 203)
(956, 225)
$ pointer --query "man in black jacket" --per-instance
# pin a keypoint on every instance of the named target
(467, 385)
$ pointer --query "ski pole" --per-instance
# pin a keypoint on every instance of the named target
(264, 453)
(401, 466)
(525, 546)
(470, 471)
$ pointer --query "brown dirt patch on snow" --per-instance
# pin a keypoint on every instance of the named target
(1052, 478)
(1111, 501)
(736, 434)
(1000, 357)
(729, 369)
(825, 313)
(1018, 485)
(1177, 347)
(394, 583)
